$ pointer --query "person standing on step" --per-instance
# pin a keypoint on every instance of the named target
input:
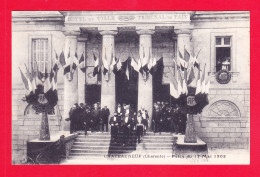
(139, 127)
(125, 124)
(120, 113)
(86, 119)
(145, 117)
(114, 122)
(95, 117)
(72, 118)
(104, 118)
(175, 119)
(157, 116)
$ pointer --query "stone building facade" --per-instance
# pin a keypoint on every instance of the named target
(224, 123)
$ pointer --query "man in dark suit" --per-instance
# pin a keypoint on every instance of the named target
(95, 117)
(125, 124)
(104, 118)
(114, 122)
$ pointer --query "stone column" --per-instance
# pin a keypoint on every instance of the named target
(81, 75)
(108, 93)
(145, 87)
(70, 86)
(183, 40)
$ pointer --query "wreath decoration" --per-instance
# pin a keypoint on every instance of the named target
(201, 100)
(223, 76)
(42, 102)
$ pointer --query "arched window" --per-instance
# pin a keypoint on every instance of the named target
(223, 108)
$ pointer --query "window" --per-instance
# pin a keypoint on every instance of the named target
(40, 54)
(223, 53)
(223, 108)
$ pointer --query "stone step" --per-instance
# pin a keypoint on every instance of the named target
(87, 155)
(157, 145)
(157, 148)
(103, 151)
(102, 147)
(106, 143)
(157, 141)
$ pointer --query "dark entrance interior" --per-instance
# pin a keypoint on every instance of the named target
(92, 94)
(127, 90)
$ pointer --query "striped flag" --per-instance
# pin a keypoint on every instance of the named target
(62, 59)
(24, 79)
(198, 86)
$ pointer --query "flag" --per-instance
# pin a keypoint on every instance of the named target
(203, 80)
(55, 67)
(68, 54)
(180, 83)
(47, 85)
(207, 86)
(127, 71)
(105, 63)
(173, 87)
(96, 66)
(186, 55)
(56, 55)
(180, 55)
(67, 69)
(62, 59)
(25, 81)
(134, 65)
(185, 88)
(191, 76)
(73, 67)
(76, 55)
(140, 66)
(113, 64)
(198, 86)
(82, 63)
(119, 64)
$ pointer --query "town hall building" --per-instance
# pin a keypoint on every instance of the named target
(221, 39)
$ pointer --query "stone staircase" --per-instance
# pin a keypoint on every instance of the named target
(98, 145)
(155, 143)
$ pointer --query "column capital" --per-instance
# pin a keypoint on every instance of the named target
(145, 32)
(182, 32)
(71, 33)
(108, 32)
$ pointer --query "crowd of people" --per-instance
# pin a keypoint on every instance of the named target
(88, 118)
(168, 118)
(127, 121)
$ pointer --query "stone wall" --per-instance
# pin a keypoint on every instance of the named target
(226, 132)
(27, 127)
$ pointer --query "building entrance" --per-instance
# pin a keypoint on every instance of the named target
(127, 85)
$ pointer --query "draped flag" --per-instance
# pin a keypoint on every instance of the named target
(185, 87)
(47, 85)
(207, 86)
(198, 86)
(203, 80)
(191, 76)
(96, 66)
(180, 61)
(127, 71)
(180, 83)
(194, 60)
(186, 55)
(31, 82)
(62, 59)
(140, 66)
(113, 64)
(105, 64)
(173, 87)
(24, 79)
(134, 65)
(82, 63)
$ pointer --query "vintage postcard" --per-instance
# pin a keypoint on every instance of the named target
(130, 87)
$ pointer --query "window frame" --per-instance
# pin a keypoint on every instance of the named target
(233, 61)
(30, 59)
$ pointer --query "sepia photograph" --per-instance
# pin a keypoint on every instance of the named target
(130, 87)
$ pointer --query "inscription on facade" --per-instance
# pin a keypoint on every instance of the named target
(147, 18)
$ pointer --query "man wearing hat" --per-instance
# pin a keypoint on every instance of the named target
(114, 122)
(104, 118)
(125, 124)
(95, 114)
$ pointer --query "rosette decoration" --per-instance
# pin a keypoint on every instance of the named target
(41, 94)
(189, 89)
